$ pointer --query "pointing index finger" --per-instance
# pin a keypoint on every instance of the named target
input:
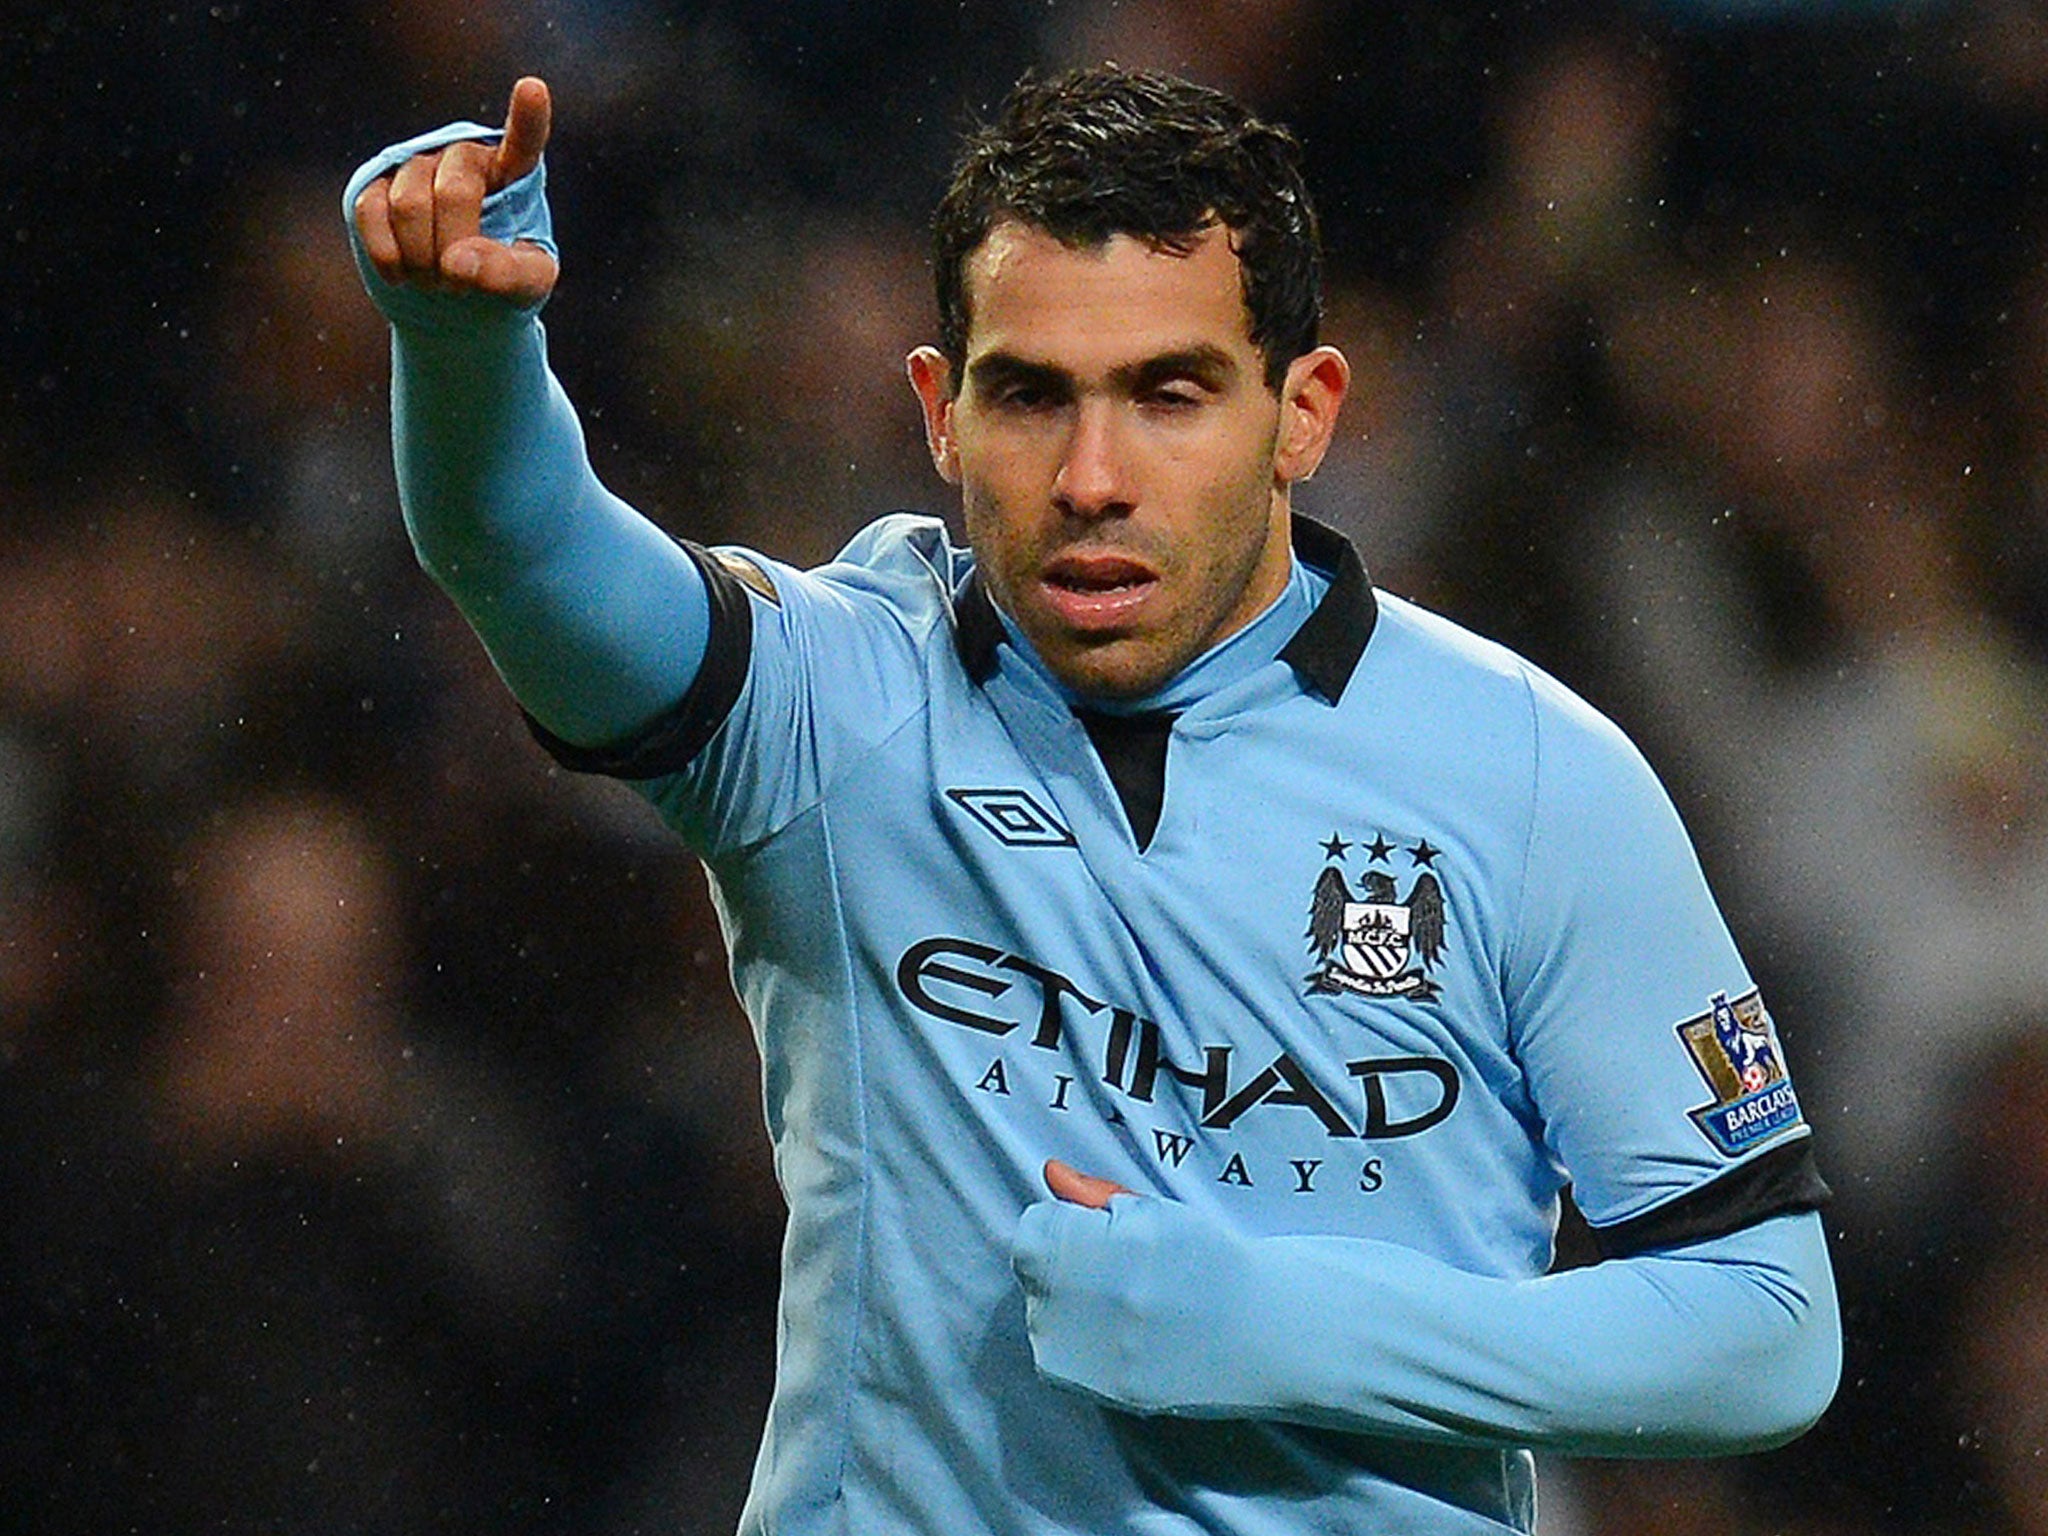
(527, 120)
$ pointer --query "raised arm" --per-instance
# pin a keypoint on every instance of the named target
(594, 616)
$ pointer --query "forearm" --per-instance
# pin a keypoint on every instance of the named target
(593, 616)
(1725, 1346)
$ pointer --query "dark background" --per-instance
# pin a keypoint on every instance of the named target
(379, 1143)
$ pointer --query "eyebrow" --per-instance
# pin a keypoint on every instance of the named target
(999, 370)
(1203, 362)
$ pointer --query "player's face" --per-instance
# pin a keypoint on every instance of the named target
(1124, 468)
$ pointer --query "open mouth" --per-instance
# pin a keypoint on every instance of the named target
(1095, 591)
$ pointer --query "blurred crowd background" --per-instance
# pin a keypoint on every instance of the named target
(379, 1141)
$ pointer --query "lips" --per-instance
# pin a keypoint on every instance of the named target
(1096, 591)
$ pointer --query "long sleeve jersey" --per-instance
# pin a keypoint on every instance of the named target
(1386, 940)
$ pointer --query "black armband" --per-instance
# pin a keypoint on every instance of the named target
(1779, 1181)
(668, 742)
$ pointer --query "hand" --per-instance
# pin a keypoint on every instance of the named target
(1079, 1188)
(423, 224)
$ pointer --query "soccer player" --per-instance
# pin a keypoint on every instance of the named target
(1186, 978)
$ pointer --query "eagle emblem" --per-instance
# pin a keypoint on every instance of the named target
(1372, 941)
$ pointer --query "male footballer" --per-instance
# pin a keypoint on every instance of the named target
(1186, 977)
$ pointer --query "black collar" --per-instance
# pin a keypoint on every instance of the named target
(1324, 652)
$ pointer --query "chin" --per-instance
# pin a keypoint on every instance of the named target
(1105, 677)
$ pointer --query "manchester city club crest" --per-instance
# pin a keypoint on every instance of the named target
(1735, 1047)
(1376, 940)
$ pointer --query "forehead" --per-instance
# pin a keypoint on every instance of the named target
(1031, 296)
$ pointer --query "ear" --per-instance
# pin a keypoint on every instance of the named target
(1310, 398)
(932, 377)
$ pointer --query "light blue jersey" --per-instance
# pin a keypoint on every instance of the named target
(1416, 940)
(1348, 952)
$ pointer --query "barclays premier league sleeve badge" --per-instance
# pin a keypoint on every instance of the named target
(1735, 1046)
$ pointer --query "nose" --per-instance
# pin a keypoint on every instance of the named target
(1093, 479)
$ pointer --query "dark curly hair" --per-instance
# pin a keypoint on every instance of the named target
(1109, 151)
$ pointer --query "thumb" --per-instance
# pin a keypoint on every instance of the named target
(523, 272)
(1079, 1188)
(528, 118)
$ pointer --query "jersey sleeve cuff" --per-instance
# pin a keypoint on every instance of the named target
(518, 211)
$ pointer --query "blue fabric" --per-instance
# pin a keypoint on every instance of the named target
(1374, 1336)
(516, 212)
(594, 617)
(1390, 972)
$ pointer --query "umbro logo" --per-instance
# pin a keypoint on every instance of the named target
(1014, 816)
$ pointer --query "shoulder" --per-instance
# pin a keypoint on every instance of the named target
(900, 572)
(908, 549)
(1465, 677)
(1493, 724)
(1431, 644)
(904, 563)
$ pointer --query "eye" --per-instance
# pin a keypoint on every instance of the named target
(1023, 397)
(1175, 395)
